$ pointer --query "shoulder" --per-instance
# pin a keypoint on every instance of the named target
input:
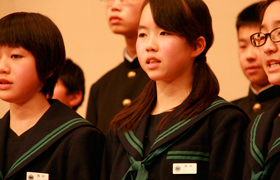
(230, 113)
(239, 101)
(110, 73)
(88, 131)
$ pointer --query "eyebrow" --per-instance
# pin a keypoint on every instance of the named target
(142, 27)
(274, 23)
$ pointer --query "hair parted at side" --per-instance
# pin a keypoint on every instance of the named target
(190, 19)
(40, 36)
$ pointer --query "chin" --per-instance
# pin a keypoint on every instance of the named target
(274, 80)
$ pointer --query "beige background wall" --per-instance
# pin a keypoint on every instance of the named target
(90, 43)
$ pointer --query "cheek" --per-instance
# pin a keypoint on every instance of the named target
(140, 53)
(262, 56)
(59, 90)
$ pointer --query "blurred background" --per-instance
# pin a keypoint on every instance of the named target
(90, 43)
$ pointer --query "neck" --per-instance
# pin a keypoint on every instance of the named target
(131, 45)
(23, 116)
(261, 87)
(170, 96)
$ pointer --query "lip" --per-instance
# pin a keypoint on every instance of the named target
(115, 19)
(152, 62)
(252, 69)
(4, 84)
(150, 58)
(273, 65)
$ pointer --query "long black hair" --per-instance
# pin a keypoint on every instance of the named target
(190, 19)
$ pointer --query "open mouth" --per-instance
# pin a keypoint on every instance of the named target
(152, 61)
(274, 64)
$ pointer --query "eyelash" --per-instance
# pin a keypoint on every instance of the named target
(164, 33)
(141, 35)
(16, 56)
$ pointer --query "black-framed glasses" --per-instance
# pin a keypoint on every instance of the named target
(259, 39)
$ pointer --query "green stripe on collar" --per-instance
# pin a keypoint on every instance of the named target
(132, 139)
(44, 141)
(184, 122)
(253, 147)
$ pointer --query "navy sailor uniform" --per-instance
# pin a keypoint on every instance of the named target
(213, 140)
(263, 146)
(61, 143)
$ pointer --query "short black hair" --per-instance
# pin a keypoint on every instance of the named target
(72, 77)
(249, 16)
(40, 36)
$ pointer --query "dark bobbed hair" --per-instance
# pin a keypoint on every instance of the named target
(190, 19)
(72, 77)
(39, 35)
(249, 16)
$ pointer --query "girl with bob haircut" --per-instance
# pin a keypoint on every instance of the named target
(262, 144)
(178, 128)
(40, 137)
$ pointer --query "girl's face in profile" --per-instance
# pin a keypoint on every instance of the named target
(164, 56)
(269, 52)
(19, 81)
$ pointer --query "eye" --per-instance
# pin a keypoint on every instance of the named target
(165, 33)
(16, 56)
(141, 35)
(242, 46)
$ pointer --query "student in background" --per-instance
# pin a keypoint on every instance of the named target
(118, 87)
(262, 95)
(70, 86)
(40, 137)
(262, 145)
(178, 121)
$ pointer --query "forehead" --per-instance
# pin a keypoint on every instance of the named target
(271, 17)
(248, 29)
(146, 15)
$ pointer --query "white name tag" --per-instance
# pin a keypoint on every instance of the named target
(37, 176)
(184, 168)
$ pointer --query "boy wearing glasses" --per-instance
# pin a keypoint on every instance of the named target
(117, 88)
(262, 95)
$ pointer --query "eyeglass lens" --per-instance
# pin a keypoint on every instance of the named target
(259, 39)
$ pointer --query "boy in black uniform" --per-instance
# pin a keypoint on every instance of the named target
(40, 137)
(117, 88)
(262, 95)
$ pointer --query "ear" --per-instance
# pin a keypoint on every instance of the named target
(200, 45)
(75, 98)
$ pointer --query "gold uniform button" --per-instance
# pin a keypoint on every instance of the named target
(131, 74)
(126, 102)
(257, 107)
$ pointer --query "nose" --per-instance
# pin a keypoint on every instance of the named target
(270, 47)
(152, 44)
(115, 5)
(4, 68)
(252, 53)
